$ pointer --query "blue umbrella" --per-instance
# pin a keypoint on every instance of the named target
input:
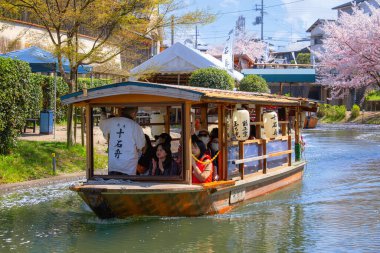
(43, 61)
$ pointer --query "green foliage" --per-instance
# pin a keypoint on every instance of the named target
(44, 92)
(212, 78)
(15, 101)
(254, 83)
(373, 96)
(332, 113)
(355, 111)
(303, 58)
(33, 160)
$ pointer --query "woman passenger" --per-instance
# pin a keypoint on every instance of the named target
(146, 157)
(201, 162)
(213, 148)
(163, 164)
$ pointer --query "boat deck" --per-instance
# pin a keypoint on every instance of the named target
(135, 186)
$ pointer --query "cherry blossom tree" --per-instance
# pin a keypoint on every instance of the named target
(350, 56)
(244, 43)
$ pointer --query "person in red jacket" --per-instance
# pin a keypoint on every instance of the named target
(201, 162)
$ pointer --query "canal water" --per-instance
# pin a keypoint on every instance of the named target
(336, 208)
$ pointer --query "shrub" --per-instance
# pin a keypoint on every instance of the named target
(303, 58)
(355, 111)
(212, 78)
(373, 95)
(332, 113)
(254, 83)
(15, 100)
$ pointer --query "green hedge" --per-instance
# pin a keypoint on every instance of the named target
(332, 113)
(16, 99)
(254, 83)
(212, 78)
(373, 95)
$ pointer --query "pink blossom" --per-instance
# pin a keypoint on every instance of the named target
(244, 43)
(350, 57)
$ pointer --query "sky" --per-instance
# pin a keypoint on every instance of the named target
(285, 21)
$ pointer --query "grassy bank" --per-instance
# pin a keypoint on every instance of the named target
(33, 160)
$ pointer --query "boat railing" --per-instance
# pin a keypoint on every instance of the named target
(248, 157)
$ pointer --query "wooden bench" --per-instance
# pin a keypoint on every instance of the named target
(28, 121)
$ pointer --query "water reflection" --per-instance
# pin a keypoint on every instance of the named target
(335, 209)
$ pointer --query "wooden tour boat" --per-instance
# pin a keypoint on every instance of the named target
(311, 121)
(251, 163)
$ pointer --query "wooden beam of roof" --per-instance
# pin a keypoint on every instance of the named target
(195, 94)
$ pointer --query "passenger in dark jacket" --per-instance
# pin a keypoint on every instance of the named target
(163, 164)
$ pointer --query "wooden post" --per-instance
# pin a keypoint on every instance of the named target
(264, 153)
(241, 156)
(186, 142)
(289, 148)
(280, 88)
(204, 116)
(167, 120)
(259, 118)
(75, 124)
(284, 125)
(82, 124)
(297, 145)
(222, 137)
(89, 143)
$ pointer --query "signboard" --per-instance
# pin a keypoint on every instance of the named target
(237, 195)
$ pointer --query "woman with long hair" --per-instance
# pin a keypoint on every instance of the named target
(201, 162)
(163, 164)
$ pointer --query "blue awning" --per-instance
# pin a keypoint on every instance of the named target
(283, 75)
(43, 61)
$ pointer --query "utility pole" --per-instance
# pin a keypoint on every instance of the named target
(262, 20)
(261, 9)
(172, 28)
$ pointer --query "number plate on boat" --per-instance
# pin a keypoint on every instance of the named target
(237, 196)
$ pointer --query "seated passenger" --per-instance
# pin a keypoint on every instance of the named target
(204, 136)
(163, 164)
(126, 138)
(201, 162)
(213, 147)
(146, 157)
(164, 138)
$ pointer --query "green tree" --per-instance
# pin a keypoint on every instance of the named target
(303, 58)
(16, 98)
(254, 83)
(212, 78)
(116, 26)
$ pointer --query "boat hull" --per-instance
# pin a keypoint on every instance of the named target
(215, 198)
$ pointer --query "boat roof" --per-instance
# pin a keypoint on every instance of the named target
(127, 91)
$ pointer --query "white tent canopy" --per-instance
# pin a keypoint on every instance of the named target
(180, 59)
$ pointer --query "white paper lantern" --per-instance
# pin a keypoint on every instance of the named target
(270, 124)
(157, 118)
(241, 125)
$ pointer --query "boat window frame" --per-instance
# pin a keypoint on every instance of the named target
(262, 143)
(90, 160)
